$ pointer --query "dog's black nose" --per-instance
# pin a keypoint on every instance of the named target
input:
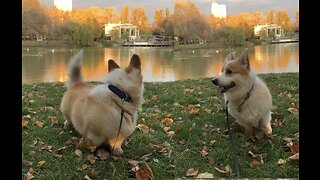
(215, 81)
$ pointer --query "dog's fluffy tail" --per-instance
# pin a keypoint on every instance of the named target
(74, 69)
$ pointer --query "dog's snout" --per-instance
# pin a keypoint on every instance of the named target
(215, 81)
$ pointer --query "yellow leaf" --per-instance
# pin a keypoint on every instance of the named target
(204, 175)
(91, 158)
(192, 172)
(53, 119)
(167, 120)
(207, 110)
(190, 106)
(41, 163)
(144, 128)
(78, 153)
(84, 166)
(294, 111)
(25, 122)
(39, 124)
(281, 161)
(194, 111)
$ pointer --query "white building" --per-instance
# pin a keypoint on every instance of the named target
(218, 10)
(63, 5)
(121, 28)
(267, 29)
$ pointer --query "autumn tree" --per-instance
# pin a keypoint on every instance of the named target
(283, 20)
(270, 16)
(139, 19)
(159, 17)
(124, 14)
(296, 22)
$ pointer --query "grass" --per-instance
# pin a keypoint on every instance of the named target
(199, 142)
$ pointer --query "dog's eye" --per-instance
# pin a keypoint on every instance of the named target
(228, 71)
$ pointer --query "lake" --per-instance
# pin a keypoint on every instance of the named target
(48, 64)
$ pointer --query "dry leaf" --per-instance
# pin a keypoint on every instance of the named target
(192, 172)
(204, 151)
(222, 171)
(146, 156)
(29, 176)
(39, 124)
(254, 163)
(170, 133)
(190, 106)
(155, 160)
(167, 120)
(194, 111)
(25, 121)
(102, 154)
(94, 172)
(144, 128)
(205, 175)
(281, 161)
(166, 129)
(145, 173)
(28, 163)
(87, 177)
(218, 107)
(207, 110)
(212, 142)
(154, 97)
(91, 158)
(294, 111)
(78, 153)
(294, 148)
(84, 166)
(294, 157)
(133, 163)
(41, 163)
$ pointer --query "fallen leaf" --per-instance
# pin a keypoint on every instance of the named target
(53, 119)
(228, 169)
(294, 157)
(84, 166)
(94, 172)
(168, 153)
(218, 107)
(146, 156)
(194, 111)
(191, 106)
(192, 172)
(166, 129)
(158, 148)
(254, 155)
(29, 176)
(167, 120)
(144, 128)
(102, 154)
(39, 124)
(204, 151)
(281, 161)
(294, 148)
(78, 153)
(254, 163)
(41, 163)
(170, 134)
(154, 97)
(25, 121)
(145, 173)
(294, 111)
(221, 171)
(205, 175)
(155, 160)
(92, 148)
(207, 110)
(87, 177)
(212, 142)
(28, 163)
(188, 90)
(91, 158)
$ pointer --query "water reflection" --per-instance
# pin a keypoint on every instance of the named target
(158, 64)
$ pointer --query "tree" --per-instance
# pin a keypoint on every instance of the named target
(158, 18)
(270, 17)
(124, 14)
(296, 22)
(283, 20)
(139, 19)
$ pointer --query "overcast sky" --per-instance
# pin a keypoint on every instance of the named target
(234, 7)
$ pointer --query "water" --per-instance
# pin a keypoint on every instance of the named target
(42, 64)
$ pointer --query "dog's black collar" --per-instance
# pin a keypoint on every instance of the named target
(245, 99)
(119, 93)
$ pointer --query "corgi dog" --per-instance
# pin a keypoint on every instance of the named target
(95, 111)
(248, 98)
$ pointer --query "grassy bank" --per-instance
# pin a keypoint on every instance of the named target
(183, 126)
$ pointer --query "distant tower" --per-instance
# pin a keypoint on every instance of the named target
(64, 5)
(218, 10)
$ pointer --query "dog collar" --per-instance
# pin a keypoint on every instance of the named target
(119, 93)
(245, 99)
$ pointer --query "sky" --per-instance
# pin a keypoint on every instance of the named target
(234, 7)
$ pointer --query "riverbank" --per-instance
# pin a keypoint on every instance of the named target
(55, 43)
(182, 126)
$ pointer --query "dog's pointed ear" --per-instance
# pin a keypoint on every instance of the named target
(112, 65)
(244, 59)
(230, 57)
(135, 62)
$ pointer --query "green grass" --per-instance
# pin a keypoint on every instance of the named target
(193, 132)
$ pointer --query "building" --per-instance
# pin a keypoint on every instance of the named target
(63, 5)
(218, 10)
(267, 30)
(120, 29)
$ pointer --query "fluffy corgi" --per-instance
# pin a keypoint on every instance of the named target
(248, 98)
(95, 110)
